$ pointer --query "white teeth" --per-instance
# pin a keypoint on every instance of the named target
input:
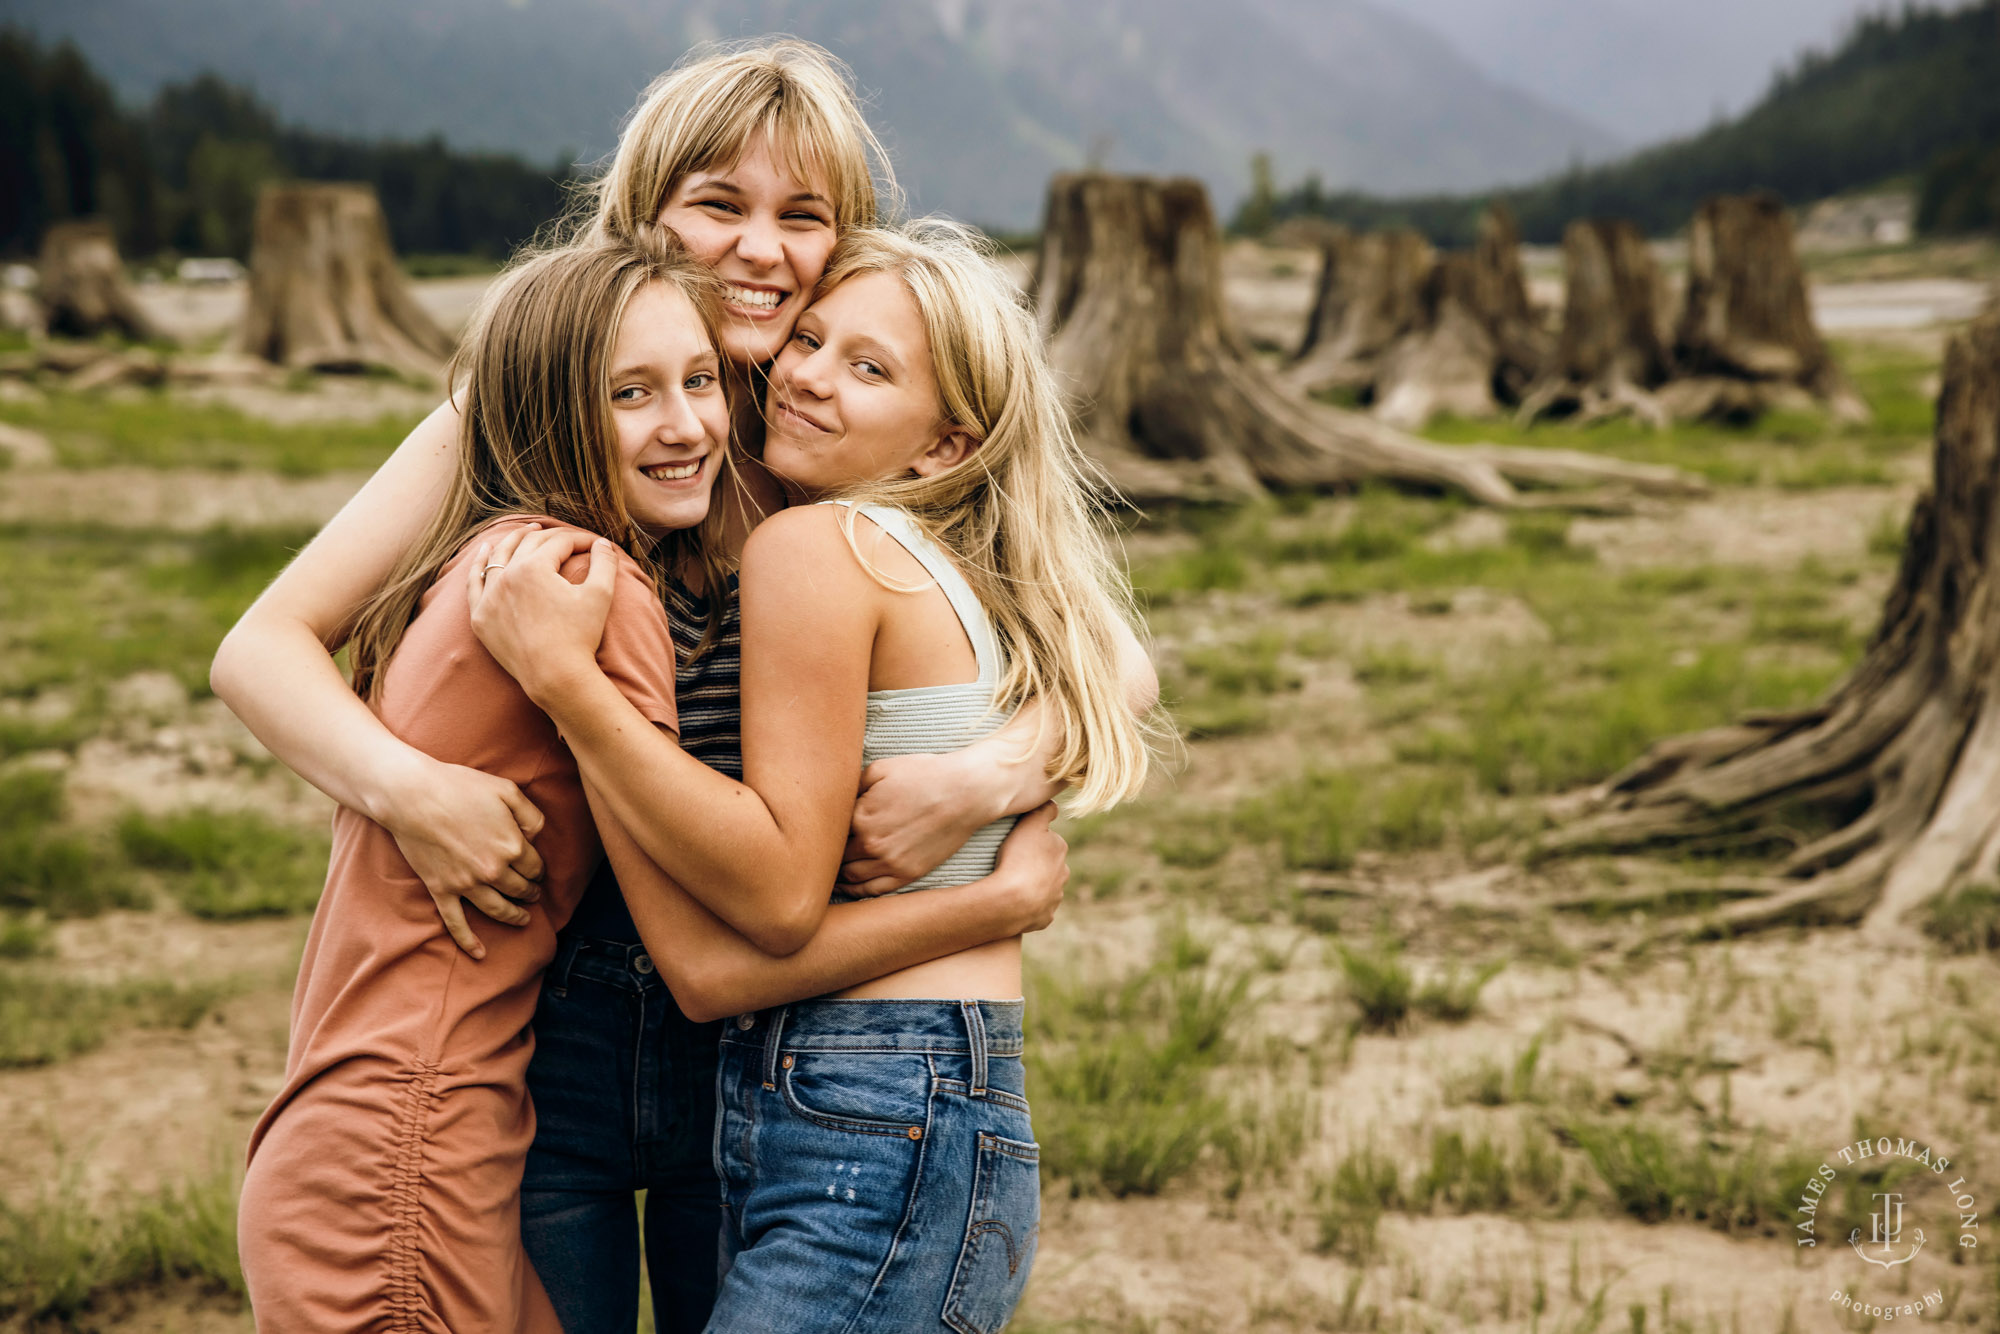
(756, 300)
(672, 472)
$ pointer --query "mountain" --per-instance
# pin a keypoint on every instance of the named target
(1644, 69)
(1905, 92)
(980, 99)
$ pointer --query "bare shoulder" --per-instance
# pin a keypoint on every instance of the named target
(811, 538)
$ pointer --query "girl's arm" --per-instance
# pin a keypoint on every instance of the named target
(761, 857)
(464, 832)
(917, 810)
(713, 971)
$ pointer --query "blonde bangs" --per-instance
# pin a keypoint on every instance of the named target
(703, 114)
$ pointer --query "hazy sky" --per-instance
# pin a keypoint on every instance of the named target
(1639, 68)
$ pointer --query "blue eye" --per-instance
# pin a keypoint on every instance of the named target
(873, 369)
(699, 380)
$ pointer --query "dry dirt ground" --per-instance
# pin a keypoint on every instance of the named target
(1816, 1036)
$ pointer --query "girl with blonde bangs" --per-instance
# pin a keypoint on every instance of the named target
(879, 1167)
(758, 158)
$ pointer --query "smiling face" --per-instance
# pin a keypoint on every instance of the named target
(668, 410)
(766, 233)
(853, 398)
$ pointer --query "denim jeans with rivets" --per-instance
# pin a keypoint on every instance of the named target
(624, 1092)
(879, 1171)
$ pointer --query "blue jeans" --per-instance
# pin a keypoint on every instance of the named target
(879, 1172)
(624, 1091)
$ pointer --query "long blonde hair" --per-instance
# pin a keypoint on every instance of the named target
(535, 429)
(702, 114)
(1023, 514)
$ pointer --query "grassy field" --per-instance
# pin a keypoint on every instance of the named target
(1322, 1041)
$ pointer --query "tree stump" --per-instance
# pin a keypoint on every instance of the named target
(83, 287)
(1475, 341)
(1903, 757)
(1498, 293)
(1129, 290)
(325, 291)
(1746, 321)
(1370, 294)
(1612, 352)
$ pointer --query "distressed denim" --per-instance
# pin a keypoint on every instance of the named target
(624, 1090)
(879, 1172)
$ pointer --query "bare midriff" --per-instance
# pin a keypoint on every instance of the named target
(988, 972)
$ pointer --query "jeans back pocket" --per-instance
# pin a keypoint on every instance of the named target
(1000, 1237)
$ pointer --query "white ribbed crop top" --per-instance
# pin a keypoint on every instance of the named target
(930, 720)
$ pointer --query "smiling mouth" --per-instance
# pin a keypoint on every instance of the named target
(675, 472)
(787, 410)
(755, 300)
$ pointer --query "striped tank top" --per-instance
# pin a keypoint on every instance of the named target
(707, 694)
(928, 720)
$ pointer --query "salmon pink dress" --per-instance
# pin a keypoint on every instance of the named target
(383, 1190)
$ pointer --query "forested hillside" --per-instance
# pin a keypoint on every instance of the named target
(1908, 94)
(184, 175)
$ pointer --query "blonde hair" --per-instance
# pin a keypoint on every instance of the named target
(703, 113)
(1022, 514)
(535, 429)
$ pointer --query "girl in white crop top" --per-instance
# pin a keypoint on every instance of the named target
(967, 575)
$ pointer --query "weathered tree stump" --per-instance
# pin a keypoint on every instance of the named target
(1612, 352)
(1475, 342)
(83, 287)
(1128, 287)
(325, 291)
(1165, 396)
(1371, 293)
(1746, 321)
(1903, 757)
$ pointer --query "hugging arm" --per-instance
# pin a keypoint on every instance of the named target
(763, 856)
(714, 971)
(464, 832)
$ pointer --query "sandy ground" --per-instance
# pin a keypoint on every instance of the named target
(1810, 1035)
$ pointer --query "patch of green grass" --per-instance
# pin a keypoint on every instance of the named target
(1453, 996)
(1523, 730)
(1321, 819)
(1349, 1203)
(1223, 689)
(1887, 537)
(1461, 1174)
(82, 608)
(1121, 1073)
(225, 865)
(23, 936)
(57, 1256)
(1493, 1083)
(1393, 666)
(158, 429)
(1379, 983)
(1965, 920)
(46, 868)
(1657, 1176)
(45, 1018)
